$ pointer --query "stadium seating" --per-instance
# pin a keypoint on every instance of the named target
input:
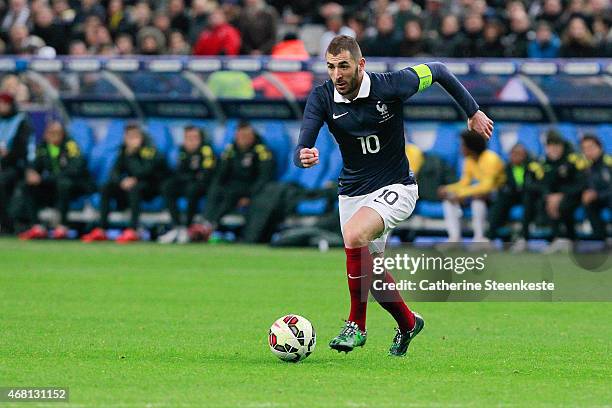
(280, 136)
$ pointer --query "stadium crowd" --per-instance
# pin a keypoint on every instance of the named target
(406, 28)
(242, 179)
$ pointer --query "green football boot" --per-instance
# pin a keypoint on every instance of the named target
(350, 337)
(401, 341)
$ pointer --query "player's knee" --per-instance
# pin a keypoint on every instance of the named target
(354, 237)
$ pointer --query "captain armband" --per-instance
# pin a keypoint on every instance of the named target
(425, 77)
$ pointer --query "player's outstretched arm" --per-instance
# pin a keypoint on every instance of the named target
(305, 154)
(438, 72)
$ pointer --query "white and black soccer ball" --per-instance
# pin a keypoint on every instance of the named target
(292, 338)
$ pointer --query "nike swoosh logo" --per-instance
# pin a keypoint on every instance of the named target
(339, 116)
(355, 277)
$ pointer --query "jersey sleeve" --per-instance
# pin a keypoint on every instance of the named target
(314, 115)
(408, 81)
(403, 83)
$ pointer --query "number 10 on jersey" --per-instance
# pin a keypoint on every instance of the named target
(369, 144)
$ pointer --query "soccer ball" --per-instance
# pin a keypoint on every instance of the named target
(292, 338)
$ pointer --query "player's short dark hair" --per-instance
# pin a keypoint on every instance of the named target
(344, 43)
(474, 141)
(592, 138)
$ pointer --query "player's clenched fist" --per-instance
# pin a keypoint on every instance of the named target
(481, 124)
(309, 157)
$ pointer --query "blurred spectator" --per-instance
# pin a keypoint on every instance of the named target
(18, 38)
(161, 21)
(57, 175)
(194, 173)
(258, 24)
(178, 16)
(433, 14)
(545, 44)
(124, 44)
(18, 14)
(483, 173)
(219, 38)
(386, 41)
(577, 40)
(151, 41)
(490, 45)
(89, 8)
(14, 136)
(358, 23)
(552, 11)
(335, 26)
(117, 20)
(140, 15)
(53, 33)
(232, 10)
(136, 176)
(12, 85)
(450, 40)
(473, 26)
(78, 48)
(200, 10)
(520, 188)
(64, 13)
(562, 186)
(598, 193)
(406, 10)
(414, 43)
(177, 44)
(246, 166)
(517, 41)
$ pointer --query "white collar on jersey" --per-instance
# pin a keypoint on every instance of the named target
(364, 90)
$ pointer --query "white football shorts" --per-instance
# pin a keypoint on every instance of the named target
(394, 203)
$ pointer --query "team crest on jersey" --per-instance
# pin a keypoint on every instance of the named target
(384, 111)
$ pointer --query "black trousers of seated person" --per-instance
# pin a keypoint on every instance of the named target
(222, 199)
(8, 180)
(56, 193)
(593, 212)
(568, 205)
(499, 211)
(181, 186)
(133, 198)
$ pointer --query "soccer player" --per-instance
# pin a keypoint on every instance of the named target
(57, 175)
(195, 169)
(136, 175)
(376, 187)
(483, 173)
(598, 194)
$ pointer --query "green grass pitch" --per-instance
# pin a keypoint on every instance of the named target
(186, 326)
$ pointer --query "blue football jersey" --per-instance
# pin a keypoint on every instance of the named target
(370, 129)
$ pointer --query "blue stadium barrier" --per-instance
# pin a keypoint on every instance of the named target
(605, 134)
(114, 135)
(82, 133)
(160, 135)
(447, 143)
(275, 137)
(568, 132)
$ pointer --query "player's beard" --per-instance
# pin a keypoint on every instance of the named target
(352, 84)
